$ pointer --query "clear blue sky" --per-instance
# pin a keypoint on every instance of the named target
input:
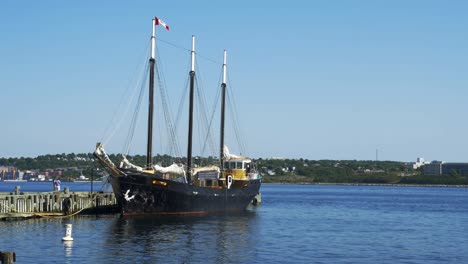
(313, 79)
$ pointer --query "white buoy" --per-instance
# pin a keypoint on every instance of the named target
(68, 232)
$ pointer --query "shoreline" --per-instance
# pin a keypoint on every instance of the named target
(374, 184)
(312, 183)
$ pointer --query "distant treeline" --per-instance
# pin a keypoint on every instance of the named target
(370, 179)
(349, 171)
(272, 170)
(44, 162)
(80, 161)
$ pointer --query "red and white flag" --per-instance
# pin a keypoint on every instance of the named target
(158, 21)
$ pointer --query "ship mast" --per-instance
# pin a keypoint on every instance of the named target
(149, 146)
(223, 101)
(190, 125)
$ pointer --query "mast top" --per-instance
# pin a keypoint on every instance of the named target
(153, 33)
(224, 67)
(155, 22)
(192, 68)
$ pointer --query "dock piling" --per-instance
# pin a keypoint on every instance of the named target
(7, 257)
(26, 205)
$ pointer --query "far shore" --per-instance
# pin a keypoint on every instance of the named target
(370, 184)
(312, 183)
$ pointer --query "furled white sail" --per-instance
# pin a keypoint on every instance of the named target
(127, 165)
(205, 168)
(228, 156)
(174, 168)
(102, 153)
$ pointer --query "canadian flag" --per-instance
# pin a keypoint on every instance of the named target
(158, 21)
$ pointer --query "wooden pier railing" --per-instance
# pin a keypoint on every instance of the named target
(19, 204)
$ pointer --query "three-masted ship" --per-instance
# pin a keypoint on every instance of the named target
(227, 186)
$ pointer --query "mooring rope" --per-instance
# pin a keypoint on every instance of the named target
(89, 205)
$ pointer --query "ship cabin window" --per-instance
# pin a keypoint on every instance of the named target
(234, 165)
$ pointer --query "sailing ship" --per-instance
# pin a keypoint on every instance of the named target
(230, 185)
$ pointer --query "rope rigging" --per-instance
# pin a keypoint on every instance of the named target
(205, 136)
(206, 118)
(234, 117)
(133, 122)
(213, 112)
(173, 145)
(217, 62)
(183, 98)
(203, 119)
(114, 121)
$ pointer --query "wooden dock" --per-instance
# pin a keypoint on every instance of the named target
(17, 205)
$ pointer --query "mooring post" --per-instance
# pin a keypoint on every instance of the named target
(7, 257)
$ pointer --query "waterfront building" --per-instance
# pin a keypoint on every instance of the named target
(8, 173)
(433, 169)
(437, 168)
(415, 165)
(455, 168)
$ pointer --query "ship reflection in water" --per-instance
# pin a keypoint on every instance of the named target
(221, 238)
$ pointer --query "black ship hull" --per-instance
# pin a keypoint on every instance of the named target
(139, 194)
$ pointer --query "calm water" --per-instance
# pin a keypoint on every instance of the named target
(295, 224)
